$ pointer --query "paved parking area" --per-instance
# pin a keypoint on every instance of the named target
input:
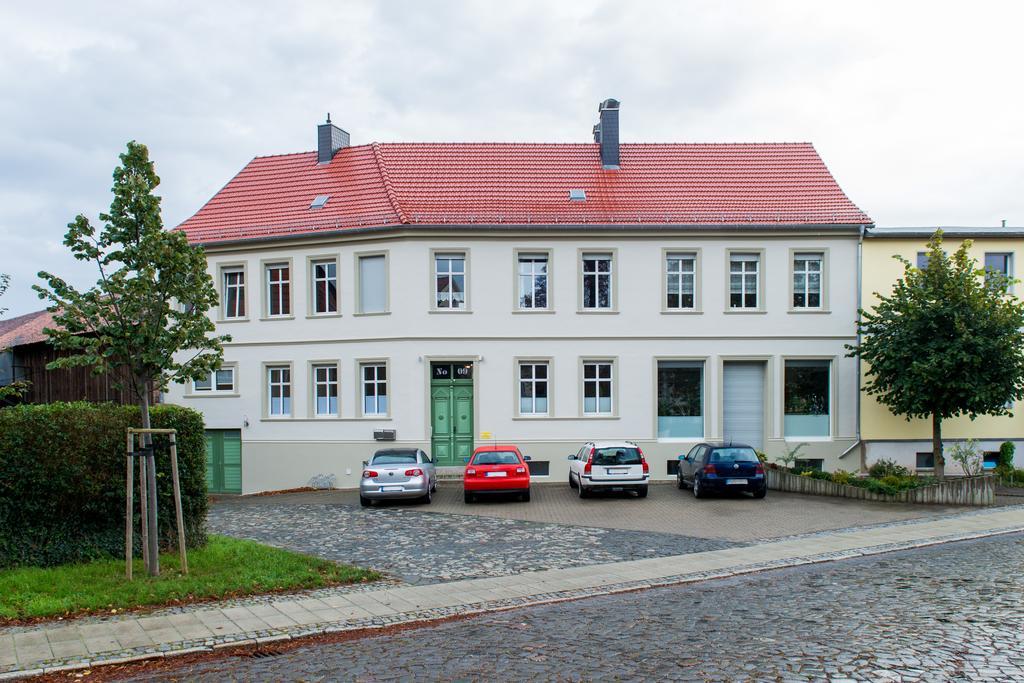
(666, 510)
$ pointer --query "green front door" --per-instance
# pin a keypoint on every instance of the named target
(224, 460)
(451, 412)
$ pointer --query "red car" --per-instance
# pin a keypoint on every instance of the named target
(497, 469)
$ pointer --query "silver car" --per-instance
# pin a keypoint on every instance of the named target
(396, 473)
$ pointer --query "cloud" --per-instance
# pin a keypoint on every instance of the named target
(912, 105)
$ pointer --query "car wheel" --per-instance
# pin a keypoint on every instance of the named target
(761, 493)
(641, 492)
(583, 492)
(525, 496)
(468, 497)
(572, 484)
(365, 502)
(697, 492)
(427, 497)
(680, 484)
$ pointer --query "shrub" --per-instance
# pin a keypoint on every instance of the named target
(1004, 466)
(968, 455)
(62, 468)
(883, 468)
(842, 477)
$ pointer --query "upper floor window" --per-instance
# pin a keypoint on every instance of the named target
(325, 390)
(220, 380)
(533, 388)
(533, 281)
(922, 259)
(279, 299)
(680, 281)
(279, 391)
(743, 280)
(597, 388)
(375, 388)
(999, 262)
(807, 280)
(373, 284)
(234, 292)
(597, 281)
(450, 280)
(325, 287)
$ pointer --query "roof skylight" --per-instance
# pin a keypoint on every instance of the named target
(577, 195)
(319, 201)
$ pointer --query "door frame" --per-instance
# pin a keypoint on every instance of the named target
(428, 430)
(767, 424)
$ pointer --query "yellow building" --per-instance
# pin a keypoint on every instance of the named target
(884, 435)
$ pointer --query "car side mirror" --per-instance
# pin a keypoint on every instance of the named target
(684, 457)
(572, 457)
(365, 463)
(526, 458)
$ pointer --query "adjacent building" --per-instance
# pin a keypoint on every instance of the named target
(892, 436)
(440, 295)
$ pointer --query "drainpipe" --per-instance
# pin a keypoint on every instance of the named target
(860, 303)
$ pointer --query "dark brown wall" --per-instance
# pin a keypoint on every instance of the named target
(75, 384)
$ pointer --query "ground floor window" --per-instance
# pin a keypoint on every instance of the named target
(279, 391)
(533, 388)
(807, 398)
(680, 399)
(375, 389)
(597, 388)
(325, 389)
(222, 379)
(925, 461)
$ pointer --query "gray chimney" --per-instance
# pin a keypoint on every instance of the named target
(329, 139)
(606, 133)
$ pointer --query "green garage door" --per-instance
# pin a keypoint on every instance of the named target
(224, 460)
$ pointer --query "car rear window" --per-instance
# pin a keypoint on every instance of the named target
(617, 456)
(496, 458)
(394, 459)
(733, 455)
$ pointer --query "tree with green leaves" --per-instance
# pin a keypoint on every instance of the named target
(946, 342)
(14, 388)
(146, 314)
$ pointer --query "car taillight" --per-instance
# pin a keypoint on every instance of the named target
(709, 469)
(369, 474)
(470, 472)
(520, 470)
(647, 468)
(759, 468)
(415, 472)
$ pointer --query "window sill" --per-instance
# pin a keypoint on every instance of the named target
(532, 311)
(599, 417)
(213, 394)
(452, 311)
(680, 439)
(682, 311)
(311, 316)
(325, 419)
(221, 321)
(537, 417)
(371, 418)
(745, 311)
(809, 439)
(277, 317)
(278, 418)
(370, 313)
(811, 311)
(596, 311)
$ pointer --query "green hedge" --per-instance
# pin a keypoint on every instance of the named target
(62, 468)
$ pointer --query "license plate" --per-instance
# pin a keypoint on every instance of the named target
(495, 474)
(391, 488)
(730, 482)
(611, 472)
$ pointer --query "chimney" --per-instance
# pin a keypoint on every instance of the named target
(606, 133)
(329, 139)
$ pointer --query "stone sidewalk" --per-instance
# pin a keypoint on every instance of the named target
(28, 651)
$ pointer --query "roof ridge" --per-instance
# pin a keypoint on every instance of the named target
(388, 185)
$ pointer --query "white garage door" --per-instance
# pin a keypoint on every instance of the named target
(743, 403)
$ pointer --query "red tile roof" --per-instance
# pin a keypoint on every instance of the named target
(25, 329)
(507, 183)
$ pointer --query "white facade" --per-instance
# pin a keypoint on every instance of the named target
(495, 334)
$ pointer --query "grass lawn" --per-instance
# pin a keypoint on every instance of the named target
(226, 567)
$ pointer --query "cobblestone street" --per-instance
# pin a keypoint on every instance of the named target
(948, 612)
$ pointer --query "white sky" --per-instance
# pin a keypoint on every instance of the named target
(915, 106)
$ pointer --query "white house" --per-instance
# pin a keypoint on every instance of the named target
(538, 294)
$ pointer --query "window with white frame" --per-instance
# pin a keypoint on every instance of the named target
(680, 399)
(279, 390)
(597, 281)
(597, 388)
(278, 289)
(325, 390)
(373, 284)
(807, 398)
(680, 281)
(450, 280)
(325, 286)
(234, 292)
(807, 271)
(220, 380)
(375, 388)
(743, 280)
(533, 281)
(533, 388)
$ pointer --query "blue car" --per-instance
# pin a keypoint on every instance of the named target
(721, 468)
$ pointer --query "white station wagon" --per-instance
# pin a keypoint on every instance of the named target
(609, 466)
